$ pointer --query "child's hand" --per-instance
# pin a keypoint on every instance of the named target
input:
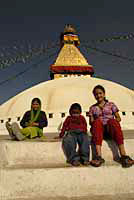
(34, 124)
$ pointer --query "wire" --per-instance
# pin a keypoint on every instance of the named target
(108, 53)
(26, 70)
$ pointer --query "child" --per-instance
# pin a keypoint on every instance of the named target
(32, 122)
(74, 130)
(104, 119)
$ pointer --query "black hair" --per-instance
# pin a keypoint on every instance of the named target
(98, 87)
(75, 106)
(101, 88)
(37, 100)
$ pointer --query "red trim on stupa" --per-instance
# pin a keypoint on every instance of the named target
(71, 69)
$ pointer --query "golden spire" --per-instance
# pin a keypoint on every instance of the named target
(70, 60)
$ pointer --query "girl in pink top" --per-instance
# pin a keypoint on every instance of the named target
(104, 119)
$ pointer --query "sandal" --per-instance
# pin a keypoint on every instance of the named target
(97, 161)
(126, 161)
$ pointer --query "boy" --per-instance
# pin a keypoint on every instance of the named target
(73, 132)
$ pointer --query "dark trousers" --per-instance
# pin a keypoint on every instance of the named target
(69, 146)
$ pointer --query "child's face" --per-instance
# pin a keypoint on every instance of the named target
(35, 105)
(75, 112)
(99, 95)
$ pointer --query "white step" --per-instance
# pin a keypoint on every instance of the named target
(66, 182)
(44, 154)
(37, 170)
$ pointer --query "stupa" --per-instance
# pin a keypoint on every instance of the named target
(71, 82)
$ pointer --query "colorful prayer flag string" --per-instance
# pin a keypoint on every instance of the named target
(118, 37)
(26, 70)
(24, 53)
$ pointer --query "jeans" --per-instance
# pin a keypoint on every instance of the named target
(69, 146)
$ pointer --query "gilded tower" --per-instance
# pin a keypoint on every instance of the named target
(70, 61)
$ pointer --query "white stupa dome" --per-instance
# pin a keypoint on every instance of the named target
(57, 95)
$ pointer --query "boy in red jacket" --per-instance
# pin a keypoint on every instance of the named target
(74, 130)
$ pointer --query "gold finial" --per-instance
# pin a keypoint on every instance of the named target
(69, 29)
(69, 36)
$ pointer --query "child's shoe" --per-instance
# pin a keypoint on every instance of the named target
(126, 161)
(97, 161)
(76, 163)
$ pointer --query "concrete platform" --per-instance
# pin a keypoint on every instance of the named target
(66, 182)
(47, 152)
(44, 154)
(37, 169)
